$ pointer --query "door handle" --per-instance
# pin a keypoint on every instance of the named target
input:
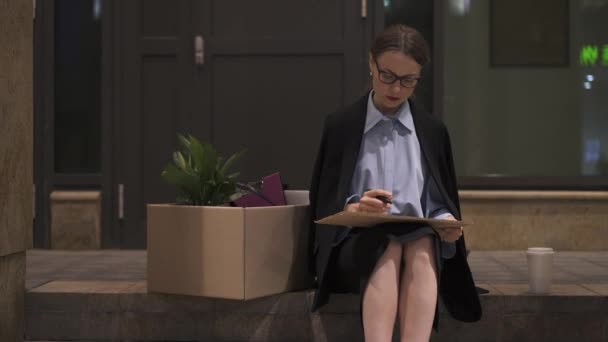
(199, 50)
(121, 201)
(363, 9)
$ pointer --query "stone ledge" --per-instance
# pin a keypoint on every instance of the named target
(75, 196)
(125, 310)
(533, 195)
(601, 289)
(138, 287)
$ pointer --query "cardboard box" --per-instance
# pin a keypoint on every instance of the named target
(226, 252)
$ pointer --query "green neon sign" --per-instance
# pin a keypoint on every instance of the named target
(594, 55)
(589, 55)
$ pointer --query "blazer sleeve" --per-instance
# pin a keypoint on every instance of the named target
(313, 196)
(457, 286)
(450, 178)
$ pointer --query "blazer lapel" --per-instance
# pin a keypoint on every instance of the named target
(352, 136)
(427, 140)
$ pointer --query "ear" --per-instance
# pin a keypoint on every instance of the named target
(370, 62)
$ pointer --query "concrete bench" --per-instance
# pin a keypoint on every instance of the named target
(100, 310)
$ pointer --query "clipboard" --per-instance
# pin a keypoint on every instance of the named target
(364, 219)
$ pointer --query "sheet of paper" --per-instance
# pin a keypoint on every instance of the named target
(363, 219)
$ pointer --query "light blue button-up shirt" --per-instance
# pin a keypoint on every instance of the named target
(390, 159)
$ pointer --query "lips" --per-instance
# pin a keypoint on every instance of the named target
(393, 99)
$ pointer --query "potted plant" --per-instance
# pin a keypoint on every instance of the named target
(201, 246)
(200, 175)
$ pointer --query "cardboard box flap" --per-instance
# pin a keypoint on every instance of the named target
(297, 197)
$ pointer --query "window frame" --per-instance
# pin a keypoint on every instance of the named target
(46, 179)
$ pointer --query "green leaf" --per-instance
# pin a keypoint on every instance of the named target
(172, 174)
(209, 162)
(233, 175)
(231, 161)
(218, 166)
(177, 177)
(198, 154)
(179, 160)
(185, 142)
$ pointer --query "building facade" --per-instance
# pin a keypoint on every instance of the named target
(518, 83)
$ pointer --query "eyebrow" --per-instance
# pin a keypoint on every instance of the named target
(394, 74)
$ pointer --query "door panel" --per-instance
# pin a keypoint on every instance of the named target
(158, 125)
(159, 18)
(318, 19)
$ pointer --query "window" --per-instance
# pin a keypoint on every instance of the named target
(534, 113)
(77, 131)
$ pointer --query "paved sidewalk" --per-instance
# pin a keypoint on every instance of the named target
(489, 267)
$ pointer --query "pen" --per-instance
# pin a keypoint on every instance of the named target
(384, 199)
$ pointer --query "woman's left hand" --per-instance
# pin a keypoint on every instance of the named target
(450, 234)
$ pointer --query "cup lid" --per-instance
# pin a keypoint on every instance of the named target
(540, 250)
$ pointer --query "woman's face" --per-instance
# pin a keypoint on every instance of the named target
(394, 78)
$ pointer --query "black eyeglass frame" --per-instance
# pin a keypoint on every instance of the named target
(411, 81)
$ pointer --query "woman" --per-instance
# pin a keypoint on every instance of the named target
(383, 154)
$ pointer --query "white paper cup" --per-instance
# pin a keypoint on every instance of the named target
(540, 269)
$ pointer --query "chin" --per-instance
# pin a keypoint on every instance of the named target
(394, 105)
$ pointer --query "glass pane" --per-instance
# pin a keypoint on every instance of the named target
(538, 111)
(419, 15)
(77, 86)
(592, 49)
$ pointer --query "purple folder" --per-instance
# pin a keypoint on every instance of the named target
(270, 195)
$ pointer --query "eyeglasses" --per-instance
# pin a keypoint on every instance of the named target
(387, 77)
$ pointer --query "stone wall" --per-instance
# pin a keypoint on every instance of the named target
(16, 151)
(516, 220)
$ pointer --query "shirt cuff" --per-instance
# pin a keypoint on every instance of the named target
(352, 199)
(448, 249)
(441, 214)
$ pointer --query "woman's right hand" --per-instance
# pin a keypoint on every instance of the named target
(369, 202)
(451, 234)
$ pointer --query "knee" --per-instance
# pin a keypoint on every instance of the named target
(419, 251)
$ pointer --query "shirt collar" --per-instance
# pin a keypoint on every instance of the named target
(403, 115)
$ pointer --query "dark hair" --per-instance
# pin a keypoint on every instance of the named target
(404, 39)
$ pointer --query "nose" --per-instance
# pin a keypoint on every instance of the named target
(396, 87)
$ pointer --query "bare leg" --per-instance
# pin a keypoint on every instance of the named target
(381, 294)
(418, 292)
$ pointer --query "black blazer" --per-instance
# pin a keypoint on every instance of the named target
(330, 186)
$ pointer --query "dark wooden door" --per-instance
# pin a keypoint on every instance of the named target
(272, 69)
